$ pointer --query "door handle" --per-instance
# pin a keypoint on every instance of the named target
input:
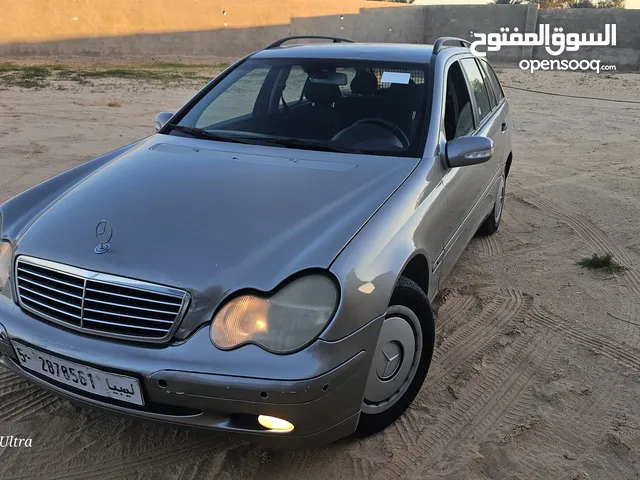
(504, 126)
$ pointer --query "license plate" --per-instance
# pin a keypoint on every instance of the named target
(111, 385)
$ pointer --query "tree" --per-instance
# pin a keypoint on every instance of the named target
(549, 4)
(582, 4)
(611, 3)
(598, 4)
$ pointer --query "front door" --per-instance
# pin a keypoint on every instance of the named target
(469, 110)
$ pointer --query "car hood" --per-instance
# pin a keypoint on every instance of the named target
(213, 218)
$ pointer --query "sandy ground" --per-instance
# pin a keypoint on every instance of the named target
(537, 368)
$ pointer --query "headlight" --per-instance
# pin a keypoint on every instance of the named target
(5, 262)
(285, 322)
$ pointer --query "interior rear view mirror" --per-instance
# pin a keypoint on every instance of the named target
(329, 78)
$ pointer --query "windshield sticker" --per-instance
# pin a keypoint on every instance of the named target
(395, 77)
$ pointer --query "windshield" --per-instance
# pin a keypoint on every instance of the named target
(354, 106)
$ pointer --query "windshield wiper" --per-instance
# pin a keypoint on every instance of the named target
(290, 142)
(206, 135)
(287, 142)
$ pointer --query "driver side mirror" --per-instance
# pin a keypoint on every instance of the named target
(463, 151)
(161, 119)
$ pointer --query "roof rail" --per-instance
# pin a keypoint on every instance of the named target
(440, 43)
(321, 37)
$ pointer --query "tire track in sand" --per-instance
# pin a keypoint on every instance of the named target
(7, 384)
(466, 345)
(26, 407)
(603, 401)
(141, 461)
(490, 246)
(484, 402)
(602, 243)
(454, 308)
(625, 354)
(470, 340)
(28, 400)
(512, 396)
(513, 403)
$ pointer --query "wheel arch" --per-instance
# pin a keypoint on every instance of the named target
(417, 269)
(508, 165)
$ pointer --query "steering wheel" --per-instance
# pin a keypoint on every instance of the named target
(393, 128)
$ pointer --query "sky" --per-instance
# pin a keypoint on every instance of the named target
(630, 3)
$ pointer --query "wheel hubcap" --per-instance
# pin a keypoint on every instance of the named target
(395, 360)
(390, 360)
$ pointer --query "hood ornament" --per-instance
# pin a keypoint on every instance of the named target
(104, 232)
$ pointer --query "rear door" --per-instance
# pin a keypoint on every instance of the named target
(498, 113)
(501, 112)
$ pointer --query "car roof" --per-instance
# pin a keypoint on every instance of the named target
(385, 52)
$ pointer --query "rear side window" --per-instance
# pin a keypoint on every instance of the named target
(478, 88)
(493, 78)
(492, 97)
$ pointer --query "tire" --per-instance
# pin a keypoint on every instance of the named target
(383, 403)
(492, 222)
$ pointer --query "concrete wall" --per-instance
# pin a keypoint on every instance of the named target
(219, 28)
(191, 27)
(48, 20)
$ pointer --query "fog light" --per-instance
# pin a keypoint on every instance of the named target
(275, 424)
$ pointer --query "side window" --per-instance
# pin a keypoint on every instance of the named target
(236, 101)
(479, 89)
(493, 78)
(458, 117)
(492, 97)
(297, 79)
(295, 84)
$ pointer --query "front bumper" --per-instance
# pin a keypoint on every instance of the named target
(318, 389)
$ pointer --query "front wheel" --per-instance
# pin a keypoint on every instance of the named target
(401, 359)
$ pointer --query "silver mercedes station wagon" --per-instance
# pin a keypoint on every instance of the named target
(264, 264)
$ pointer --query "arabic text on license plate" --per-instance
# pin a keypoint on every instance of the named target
(111, 385)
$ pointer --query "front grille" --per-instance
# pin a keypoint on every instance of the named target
(98, 303)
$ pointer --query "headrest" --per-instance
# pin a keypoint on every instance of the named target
(364, 83)
(322, 93)
(409, 92)
(402, 89)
